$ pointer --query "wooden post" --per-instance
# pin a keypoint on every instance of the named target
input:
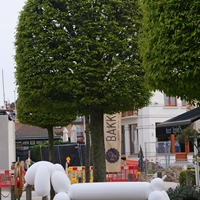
(187, 147)
(13, 197)
(130, 177)
(28, 192)
(188, 177)
(172, 137)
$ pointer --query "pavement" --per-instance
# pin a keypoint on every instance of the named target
(170, 185)
(6, 195)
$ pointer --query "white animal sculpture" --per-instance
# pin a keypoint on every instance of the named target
(43, 173)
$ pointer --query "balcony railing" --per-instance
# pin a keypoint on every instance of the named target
(130, 113)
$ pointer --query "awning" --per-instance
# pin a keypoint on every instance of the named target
(181, 121)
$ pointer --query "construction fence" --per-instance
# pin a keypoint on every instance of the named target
(76, 174)
(158, 156)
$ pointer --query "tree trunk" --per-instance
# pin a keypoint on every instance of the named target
(87, 150)
(98, 148)
(51, 154)
(51, 145)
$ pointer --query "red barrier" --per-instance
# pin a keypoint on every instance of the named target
(6, 178)
(127, 173)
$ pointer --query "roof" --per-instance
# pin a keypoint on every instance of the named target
(23, 130)
(181, 121)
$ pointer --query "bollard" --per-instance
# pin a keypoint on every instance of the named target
(188, 177)
(80, 180)
(28, 192)
(130, 177)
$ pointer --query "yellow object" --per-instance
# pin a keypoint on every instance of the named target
(74, 173)
(73, 180)
(29, 161)
(68, 159)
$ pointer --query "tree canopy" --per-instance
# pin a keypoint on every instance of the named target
(188, 134)
(45, 113)
(169, 46)
(84, 49)
(84, 52)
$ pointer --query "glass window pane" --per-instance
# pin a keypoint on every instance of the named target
(183, 102)
(173, 100)
(166, 100)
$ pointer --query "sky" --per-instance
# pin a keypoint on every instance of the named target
(9, 12)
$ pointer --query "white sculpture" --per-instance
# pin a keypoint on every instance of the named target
(41, 173)
(65, 135)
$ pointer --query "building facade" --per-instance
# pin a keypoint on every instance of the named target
(139, 127)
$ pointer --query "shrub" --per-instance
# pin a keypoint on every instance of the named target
(182, 177)
(184, 192)
(35, 151)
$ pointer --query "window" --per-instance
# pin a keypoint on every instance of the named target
(25, 142)
(170, 101)
(57, 127)
(183, 102)
(133, 138)
(79, 119)
(79, 131)
(32, 142)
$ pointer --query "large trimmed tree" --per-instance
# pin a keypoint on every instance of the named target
(84, 52)
(169, 44)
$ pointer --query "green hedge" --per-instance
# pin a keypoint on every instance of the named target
(35, 152)
(182, 177)
(184, 192)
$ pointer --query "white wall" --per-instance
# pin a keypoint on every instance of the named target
(147, 118)
(7, 142)
(11, 142)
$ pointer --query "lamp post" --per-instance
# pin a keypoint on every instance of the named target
(15, 101)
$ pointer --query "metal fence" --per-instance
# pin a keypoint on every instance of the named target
(158, 157)
(173, 162)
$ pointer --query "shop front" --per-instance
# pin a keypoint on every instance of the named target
(172, 126)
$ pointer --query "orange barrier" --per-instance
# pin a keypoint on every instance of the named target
(18, 176)
(131, 163)
(75, 173)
